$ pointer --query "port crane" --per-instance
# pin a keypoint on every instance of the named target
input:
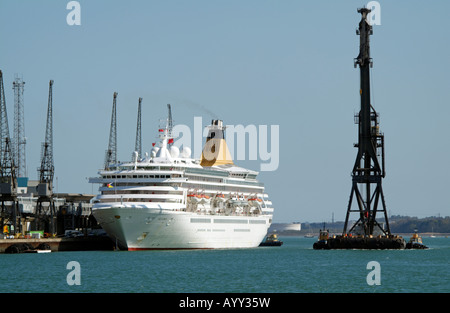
(368, 169)
(8, 179)
(169, 121)
(46, 172)
(111, 153)
(19, 140)
(138, 144)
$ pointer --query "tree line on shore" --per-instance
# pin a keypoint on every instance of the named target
(398, 224)
(407, 224)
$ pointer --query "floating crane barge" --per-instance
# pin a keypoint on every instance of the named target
(368, 171)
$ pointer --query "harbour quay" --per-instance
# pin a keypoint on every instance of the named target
(66, 225)
(85, 243)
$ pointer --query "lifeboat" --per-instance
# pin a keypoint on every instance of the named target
(243, 200)
(220, 197)
(203, 198)
(234, 200)
(253, 200)
(192, 197)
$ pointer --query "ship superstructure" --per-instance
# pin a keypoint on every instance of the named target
(169, 200)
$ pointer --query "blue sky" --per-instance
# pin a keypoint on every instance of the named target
(286, 63)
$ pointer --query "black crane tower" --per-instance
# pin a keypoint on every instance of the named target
(8, 179)
(138, 145)
(368, 170)
(111, 153)
(46, 172)
(19, 140)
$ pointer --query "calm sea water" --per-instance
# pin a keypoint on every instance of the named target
(292, 268)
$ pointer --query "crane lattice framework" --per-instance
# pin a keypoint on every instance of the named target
(368, 170)
(6, 158)
(46, 172)
(19, 139)
(138, 145)
(47, 169)
(111, 153)
(8, 180)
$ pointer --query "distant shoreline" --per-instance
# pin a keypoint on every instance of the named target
(399, 225)
(404, 235)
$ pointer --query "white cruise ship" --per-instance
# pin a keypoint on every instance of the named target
(168, 200)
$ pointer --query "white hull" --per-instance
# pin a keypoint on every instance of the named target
(141, 228)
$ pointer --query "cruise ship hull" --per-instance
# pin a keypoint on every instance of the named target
(143, 228)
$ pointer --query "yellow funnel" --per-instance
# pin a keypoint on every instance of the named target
(215, 151)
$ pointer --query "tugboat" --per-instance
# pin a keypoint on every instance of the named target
(322, 242)
(271, 241)
(415, 242)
